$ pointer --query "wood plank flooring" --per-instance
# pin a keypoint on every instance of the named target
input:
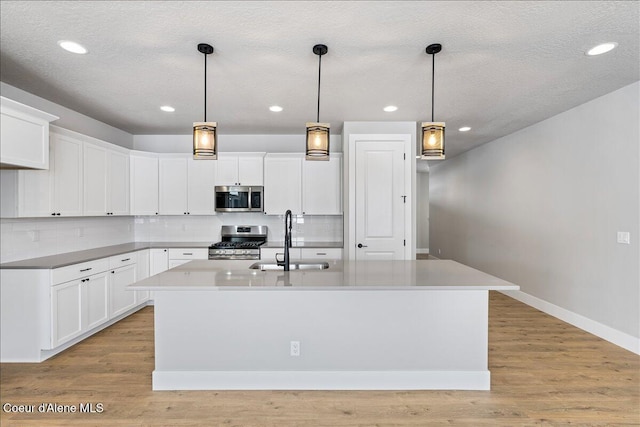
(543, 372)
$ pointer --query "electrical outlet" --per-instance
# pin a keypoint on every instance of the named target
(295, 348)
(624, 237)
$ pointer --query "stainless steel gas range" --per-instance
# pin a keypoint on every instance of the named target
(239, 242)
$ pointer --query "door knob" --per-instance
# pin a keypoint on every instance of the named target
(360, 245)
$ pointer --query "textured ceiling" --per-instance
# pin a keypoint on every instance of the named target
(503, 66)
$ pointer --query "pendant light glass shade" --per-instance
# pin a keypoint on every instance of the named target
(432, 140)
(317, 147)
(432, 146)
(204, 140)
(317, 141)
(205, 143)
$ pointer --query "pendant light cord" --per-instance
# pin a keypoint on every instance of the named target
(433, 79)
(205, 87)
(319, 70)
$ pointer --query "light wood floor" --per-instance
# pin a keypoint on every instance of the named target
(543, 372)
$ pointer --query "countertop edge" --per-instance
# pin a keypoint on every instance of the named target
(66, 259)
(334, 288)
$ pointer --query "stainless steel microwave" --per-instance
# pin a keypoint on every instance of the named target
(239, 198)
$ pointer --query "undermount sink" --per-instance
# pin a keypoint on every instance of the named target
(295, 265)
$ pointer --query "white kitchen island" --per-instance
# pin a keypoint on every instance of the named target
(388, 325)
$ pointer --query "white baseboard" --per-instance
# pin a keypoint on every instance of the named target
(321, 380)
(614, 336)
(422, 251)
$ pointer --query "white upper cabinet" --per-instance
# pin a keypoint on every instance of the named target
(67, 175)
(24, 136)
(239, 169)
(144, 184)
(282, 183)
(35, 192)
(173, 186)
(53, 192)
(322, 186)
(117, 182)
(105, 181)
(86, 177)
(304, 186)
(95, 180)
(187, 186)
(201, 178)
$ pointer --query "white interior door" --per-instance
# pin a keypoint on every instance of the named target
(380, 200)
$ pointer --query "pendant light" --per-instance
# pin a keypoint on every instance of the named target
(204, 133)
(318, 133)
(432, 146)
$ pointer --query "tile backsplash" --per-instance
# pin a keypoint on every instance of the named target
(207, 228)
(35, 237)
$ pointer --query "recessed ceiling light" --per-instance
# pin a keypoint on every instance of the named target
(275, 108)
(464, 129)
(390, 108)
(168, 108)
(72, 47)
(602, 48)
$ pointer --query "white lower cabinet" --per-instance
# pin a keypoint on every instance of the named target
(142, 272)
(181, 256)
(96, 300)
(158, 261)
(66, 312)
(91, 294)
(296, 254)
(121, 299)
(321, 253)
(77, 307)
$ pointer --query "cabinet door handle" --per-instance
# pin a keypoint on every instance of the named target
(360, 245)
(86, 269)
(187, 253)
(126, 259)
(321, 253)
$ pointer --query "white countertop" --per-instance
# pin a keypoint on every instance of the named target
(341, 275)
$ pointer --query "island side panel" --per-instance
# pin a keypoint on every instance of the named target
(360, 339)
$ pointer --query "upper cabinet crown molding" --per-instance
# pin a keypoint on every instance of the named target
(24, 140)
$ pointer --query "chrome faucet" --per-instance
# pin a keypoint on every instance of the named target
(287, 240)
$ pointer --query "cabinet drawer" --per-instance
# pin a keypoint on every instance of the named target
(75, 271)
(189, 253)
(321, 253)
(122, 260)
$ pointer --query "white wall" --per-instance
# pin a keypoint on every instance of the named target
(541, 208)
(69, 119)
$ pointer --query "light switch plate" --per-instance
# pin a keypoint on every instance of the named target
(624, 237)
